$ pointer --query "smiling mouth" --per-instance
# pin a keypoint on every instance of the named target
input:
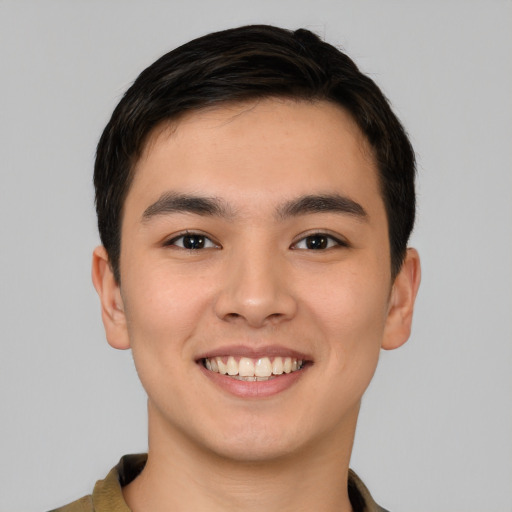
(253, 370)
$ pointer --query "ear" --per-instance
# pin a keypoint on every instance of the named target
(401, 303)
(112, 308)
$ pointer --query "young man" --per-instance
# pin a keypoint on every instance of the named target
(255, 195)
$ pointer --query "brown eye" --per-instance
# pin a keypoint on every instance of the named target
(318, 241)
(192, 241)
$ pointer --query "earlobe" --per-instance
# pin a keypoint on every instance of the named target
(401, 305)
(112, 308)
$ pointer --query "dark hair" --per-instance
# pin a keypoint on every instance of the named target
(240, 64)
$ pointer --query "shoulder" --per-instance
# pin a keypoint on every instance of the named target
(82, 505)
(107, 495)
(360, 496)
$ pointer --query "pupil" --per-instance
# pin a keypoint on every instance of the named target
(316, 242)
(193, 241)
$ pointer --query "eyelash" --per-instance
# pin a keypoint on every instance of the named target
(332, 242)
(190, 234)
(208, 243)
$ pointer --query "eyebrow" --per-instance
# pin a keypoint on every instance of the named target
(171, 202)
(329, 203)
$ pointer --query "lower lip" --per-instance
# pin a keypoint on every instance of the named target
(257, 389)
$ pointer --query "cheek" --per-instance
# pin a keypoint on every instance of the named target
(349, 303)
(163, 308)
(163, 312)
(350, 312)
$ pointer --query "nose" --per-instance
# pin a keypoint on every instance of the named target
(256, 290)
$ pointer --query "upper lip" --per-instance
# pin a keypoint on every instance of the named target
(254, 352)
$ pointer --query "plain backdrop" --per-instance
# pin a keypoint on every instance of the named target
(435, 432)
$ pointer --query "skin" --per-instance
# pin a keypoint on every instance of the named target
(255, 285)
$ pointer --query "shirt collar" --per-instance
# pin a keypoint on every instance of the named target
(108, 496)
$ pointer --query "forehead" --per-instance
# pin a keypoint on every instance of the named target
(268, 148)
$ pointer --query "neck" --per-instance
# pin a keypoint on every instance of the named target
(184, 477)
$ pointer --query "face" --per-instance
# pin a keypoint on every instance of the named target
(255, 277)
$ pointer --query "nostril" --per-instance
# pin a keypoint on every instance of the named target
(256, 308)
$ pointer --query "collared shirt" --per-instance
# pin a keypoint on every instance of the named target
(107, 495)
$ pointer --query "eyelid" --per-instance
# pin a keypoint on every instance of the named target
(171, 241)
(339, 240)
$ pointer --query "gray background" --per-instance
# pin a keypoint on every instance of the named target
(435, 432)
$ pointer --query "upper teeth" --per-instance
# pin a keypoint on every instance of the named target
(247, 367)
